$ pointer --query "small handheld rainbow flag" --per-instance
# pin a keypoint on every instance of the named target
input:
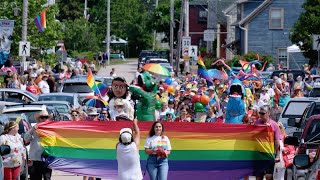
(92, 83)
(40, 21)
(203, 151)
(202, 71)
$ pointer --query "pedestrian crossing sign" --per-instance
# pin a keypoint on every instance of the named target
(193, 51)
(24, 48)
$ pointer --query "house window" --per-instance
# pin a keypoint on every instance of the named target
(276, 18)
(203, 15)
(201, 43)
(282, 56)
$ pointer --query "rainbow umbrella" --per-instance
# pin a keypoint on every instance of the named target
(95, 101)
(157, 69)
(217, 74)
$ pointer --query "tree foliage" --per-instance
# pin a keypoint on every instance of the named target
(128, 21)
(44, 40)
(160, 19)
(80, 35)
(307, 24)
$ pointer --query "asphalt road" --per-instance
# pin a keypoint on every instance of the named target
(127, 70)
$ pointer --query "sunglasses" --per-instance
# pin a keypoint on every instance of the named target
(93, 115)
(262, 113)
(74, 115)
(44, 117)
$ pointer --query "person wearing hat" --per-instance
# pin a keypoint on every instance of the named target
(93, 114)
(119, 89)
(118, 109)
(128, 157)
(13, 160)
(39, 168)
(264, 96)
(43, 85)
(297, 92)
(213, 96)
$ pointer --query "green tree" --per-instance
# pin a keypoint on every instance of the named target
(307, 24)
(70, 9)
(46, 39)
(128, 21)
(80, 35)
(160, 19)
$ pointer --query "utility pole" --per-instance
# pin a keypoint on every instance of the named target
(178, 55)
(155, 32)
(186, 32)
(24, 29)
(85, 9)
(108, 32)
(186, 20)
(211, 20)
(171, 30)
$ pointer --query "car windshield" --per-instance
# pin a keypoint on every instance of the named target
(69, 99)
(315, 92)
(61, 108)
(76, 88)
(107, 81)
(313, 132)
(31, 115)
(295, 109)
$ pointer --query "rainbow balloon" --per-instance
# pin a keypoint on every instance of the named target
(199, 150)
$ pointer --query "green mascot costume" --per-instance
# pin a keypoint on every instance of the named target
(146, 95)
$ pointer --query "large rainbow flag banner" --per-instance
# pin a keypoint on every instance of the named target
(199, 151)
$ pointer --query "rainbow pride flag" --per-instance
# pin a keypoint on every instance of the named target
(41, 21)
(199, 150)
(92, 83)
(202, 71)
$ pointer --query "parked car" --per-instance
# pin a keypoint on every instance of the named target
(10, 96)
(295, 72)
(294, 110)
(72, 98)
(145, 53)
(77, 85)
(312, 166)
(63, 107)
(30, 110)
(309, 143)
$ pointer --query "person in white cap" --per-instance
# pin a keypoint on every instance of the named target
(128, 154)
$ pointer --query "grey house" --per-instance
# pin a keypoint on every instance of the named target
(264, 26)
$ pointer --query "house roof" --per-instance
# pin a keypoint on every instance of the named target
(221, 6)
(198, 2)
(255, 12)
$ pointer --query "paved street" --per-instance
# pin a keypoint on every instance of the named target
(126, 70)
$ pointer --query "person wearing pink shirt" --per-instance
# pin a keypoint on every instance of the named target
(264, 119)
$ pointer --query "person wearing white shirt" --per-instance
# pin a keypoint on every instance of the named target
(128, 157)
(43, 85)
(78, 64)
(264, 96)
(257, 101)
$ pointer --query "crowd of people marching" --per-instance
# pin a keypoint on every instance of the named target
(187, 98)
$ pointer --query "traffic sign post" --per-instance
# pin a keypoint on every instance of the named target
(193, 51)
(186, 42)
(24, 48)
(208, 35)
(316, 45)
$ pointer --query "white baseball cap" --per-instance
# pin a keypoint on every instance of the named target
(126, 135)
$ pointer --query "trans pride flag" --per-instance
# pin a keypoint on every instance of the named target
(199, 150)
(202, 71)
